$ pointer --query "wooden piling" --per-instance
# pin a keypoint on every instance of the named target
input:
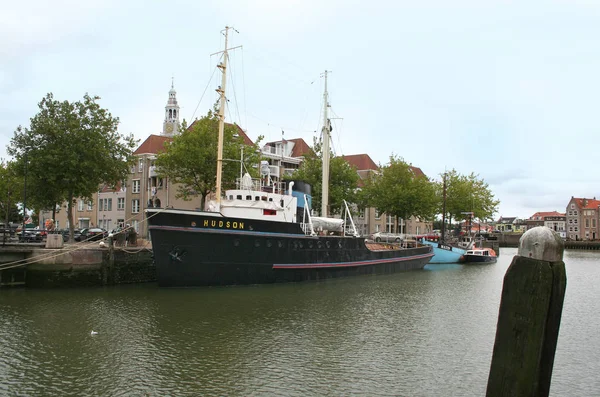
(529, 317)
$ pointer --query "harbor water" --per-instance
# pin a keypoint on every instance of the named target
(422, 333)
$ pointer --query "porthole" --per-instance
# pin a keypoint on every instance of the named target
(319, 245)
(280, 244)
(310, 244)
(300, 244)
(269, 243)
(328, 244)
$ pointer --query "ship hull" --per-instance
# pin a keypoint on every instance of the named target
(199, 249)
(478, 259)
(444, 253)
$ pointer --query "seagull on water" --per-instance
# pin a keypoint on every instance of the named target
(93, 333)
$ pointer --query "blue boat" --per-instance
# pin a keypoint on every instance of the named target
(444, 253)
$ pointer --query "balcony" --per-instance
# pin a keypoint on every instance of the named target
(274, 170)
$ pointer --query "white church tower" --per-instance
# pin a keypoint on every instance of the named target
(171, 124)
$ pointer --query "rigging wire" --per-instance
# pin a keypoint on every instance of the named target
(244, 89)
(204, 92)
(234, 90)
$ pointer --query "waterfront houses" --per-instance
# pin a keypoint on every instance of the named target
(552, 219)
(582, 219)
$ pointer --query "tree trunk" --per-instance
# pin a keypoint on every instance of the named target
(70, 218)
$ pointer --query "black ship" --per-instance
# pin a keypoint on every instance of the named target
(194, 248)
(263, 232)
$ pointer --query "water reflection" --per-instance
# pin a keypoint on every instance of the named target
(427, 333)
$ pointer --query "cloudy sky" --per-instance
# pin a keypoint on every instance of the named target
(505, 89)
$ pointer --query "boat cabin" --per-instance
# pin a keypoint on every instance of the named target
(254, 199)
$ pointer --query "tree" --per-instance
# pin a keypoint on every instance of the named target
(69, 149)
(11, 191)
(190, 159)
(343, 179)
(469, 193)
(398, 191)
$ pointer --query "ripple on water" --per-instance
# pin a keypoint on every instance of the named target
(426, 333)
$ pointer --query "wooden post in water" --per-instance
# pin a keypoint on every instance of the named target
(529, 317)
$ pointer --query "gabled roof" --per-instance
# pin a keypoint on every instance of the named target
(587, 204)
(153, 144)
(506, 219)
(300, 148)
(110, 189)
(361, 162)
(417, 171)
(240, 131)
(545, 214)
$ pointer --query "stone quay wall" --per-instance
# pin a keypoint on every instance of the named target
(80, 267)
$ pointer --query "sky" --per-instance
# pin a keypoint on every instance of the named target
(504, 89)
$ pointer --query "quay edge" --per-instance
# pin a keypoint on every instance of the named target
(66, 267)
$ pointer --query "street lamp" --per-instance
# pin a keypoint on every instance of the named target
(24, 198)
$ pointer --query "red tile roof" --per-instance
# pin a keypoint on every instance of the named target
(364, 162)
(153, 144)
(545, 214)
(110, 189)
(417, 171)
(361, 162)
(587, 204)
(240, 132)
(300, 148)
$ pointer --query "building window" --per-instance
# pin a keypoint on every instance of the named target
(101, 205)
(140, 165)
(587, 222)
(572, 206)
(80, 205)
(136, 186)
(109, 204)
(121, 203)
(135, 206)
(136, 225)
(594, 222)
(377, 215)
(576, 228)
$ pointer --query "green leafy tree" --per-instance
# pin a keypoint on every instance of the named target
(190, 159)
(11, 192)
(69, 149)
(468, 193)
(398, 191)
(343, 179)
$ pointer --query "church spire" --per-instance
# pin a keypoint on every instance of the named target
(171, 123)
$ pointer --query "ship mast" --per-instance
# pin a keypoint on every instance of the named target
(325, 134)
(222, 100)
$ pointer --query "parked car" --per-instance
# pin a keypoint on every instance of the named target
(387, 237)
(30, 236)
(91, 234)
